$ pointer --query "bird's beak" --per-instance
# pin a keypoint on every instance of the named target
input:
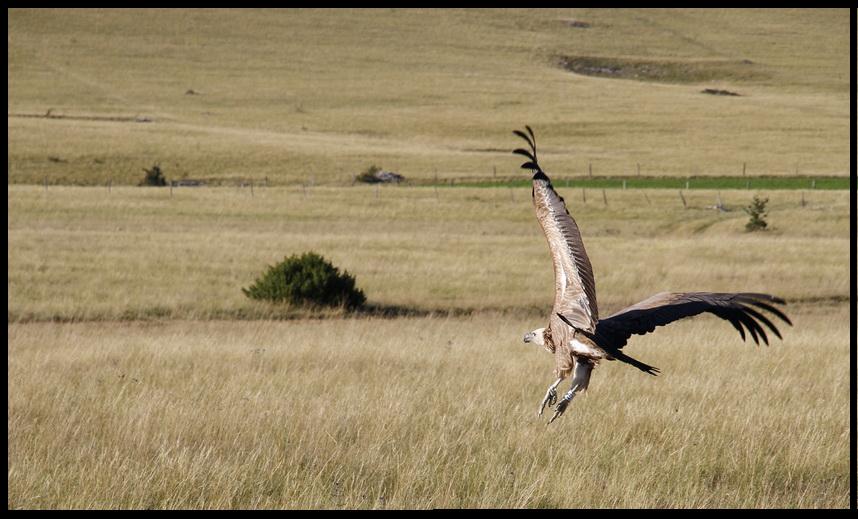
(528, 336)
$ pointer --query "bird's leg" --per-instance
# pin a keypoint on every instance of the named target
(564, 403)
(580, 381)
(550, 395)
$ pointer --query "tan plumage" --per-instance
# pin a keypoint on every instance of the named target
(576, 336)
(574, 286)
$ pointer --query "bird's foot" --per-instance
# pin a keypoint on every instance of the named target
(550, 398)
(561, 407)
(563, 404)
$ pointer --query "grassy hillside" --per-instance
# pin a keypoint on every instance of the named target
(310, 96)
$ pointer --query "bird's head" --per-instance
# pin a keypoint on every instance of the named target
(536, 336)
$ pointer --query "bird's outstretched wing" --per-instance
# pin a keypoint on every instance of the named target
(575, 288)
(740, 309)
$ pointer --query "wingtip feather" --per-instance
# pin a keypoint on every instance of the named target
(522, 151)
(525, 137)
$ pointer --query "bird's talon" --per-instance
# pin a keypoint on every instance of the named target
(560, 409)
(549, 399)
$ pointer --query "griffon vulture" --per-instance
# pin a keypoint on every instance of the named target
(575, 334)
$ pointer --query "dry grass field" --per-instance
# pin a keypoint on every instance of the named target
(131, 404)
(85, 254)
(317, 95)
(420, 412)
(140, 376)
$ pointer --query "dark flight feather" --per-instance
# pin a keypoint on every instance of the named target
(525, 137)
(522, 151)
(665, 308)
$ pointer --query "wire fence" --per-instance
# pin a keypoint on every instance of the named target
(588, 190)
(591, 197)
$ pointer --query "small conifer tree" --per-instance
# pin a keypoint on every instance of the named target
(757, 212)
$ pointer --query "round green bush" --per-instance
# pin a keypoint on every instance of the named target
(307, 279)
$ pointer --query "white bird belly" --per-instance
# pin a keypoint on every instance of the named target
(580, 348)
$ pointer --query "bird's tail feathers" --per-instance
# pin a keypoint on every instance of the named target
(646, 368)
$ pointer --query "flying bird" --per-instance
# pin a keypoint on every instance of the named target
(577, 337)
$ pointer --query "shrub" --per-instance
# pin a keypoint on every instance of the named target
(757, 211)
(154, 177)
(307, 279)
(368, 175)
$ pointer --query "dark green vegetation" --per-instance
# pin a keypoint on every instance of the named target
(154, 177)
(308, 279)
(757, 213)
(368, 175)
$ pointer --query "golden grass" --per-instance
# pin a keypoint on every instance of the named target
(81, 253)
(163, 386)
(307, 95)
(420, 412)
(411, 412)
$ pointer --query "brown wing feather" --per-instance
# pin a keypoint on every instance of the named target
(575, 288)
